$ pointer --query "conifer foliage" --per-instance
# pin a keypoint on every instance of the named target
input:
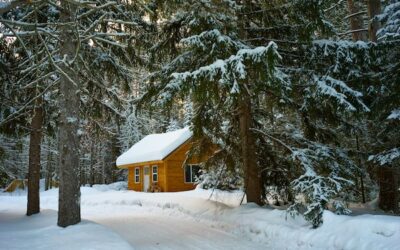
(300, 97)
(248, 81)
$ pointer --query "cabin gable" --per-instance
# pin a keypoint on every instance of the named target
(176, 170)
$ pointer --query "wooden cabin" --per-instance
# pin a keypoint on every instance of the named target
(155, 163)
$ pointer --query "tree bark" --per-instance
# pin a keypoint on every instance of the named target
(361, 166)
(356, 22)
(49, 168)
(33, 206)
(92, 162)
(69, 212)
(252, 173)
(374, 9)
(108, 161)
(253, 179)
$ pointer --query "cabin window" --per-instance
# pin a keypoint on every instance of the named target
(137, 175)
(155, 173)
(191, 172)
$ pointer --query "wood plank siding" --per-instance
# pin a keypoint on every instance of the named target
(132, 185)
(176, 172)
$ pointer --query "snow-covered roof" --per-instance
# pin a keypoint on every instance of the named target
(154, 147)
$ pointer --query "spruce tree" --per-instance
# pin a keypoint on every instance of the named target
(220, 74)
(386, 90)
(259, 93)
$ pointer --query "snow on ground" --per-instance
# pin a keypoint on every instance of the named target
(190, 220)
(18, 231)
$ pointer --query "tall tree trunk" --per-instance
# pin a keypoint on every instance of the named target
(114, 155)
(362, 174)
(33, 206)
(49, 168)
(356, 21)
(108, 161)
(69, 212)
(374, 9)
(252, 173)
(357, 24)
(92, 162)
(253, 179)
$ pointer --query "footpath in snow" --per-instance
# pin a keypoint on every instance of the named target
(115, 218)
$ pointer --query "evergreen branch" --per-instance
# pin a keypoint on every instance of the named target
(123, 46)
(54, 63)
(95, 9)
(14, 115)
(274, 138)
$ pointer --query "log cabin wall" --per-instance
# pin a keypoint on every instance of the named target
(176, 172)
(132, 185)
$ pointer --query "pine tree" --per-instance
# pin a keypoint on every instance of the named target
(386, 105)
(76, 37)
(219, 73)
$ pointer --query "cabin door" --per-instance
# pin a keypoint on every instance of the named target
(146, 179)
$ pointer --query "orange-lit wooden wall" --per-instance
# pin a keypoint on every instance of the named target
(132, 185)
(175, 170)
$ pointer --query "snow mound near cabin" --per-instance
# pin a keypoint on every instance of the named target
(120, 185)
(154, 147)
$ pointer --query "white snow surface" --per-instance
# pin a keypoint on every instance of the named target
(155, 147)
(198, 219)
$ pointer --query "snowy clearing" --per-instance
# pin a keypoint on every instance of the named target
(184, 220)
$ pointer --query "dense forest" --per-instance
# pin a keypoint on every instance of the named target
(301, 98)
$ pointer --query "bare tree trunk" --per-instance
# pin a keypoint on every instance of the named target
(355, 25)
(92, 162)
(114, 155)
(48, 171)
(361, 175)
(108, 161)
(49, 167)
(356, 22)
(47, 182)
(374, 9)
(252, 173)
(69, 212)
(33, 206)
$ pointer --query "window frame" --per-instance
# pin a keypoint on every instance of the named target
(136, 175)
(192, 181)
(154, 174)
